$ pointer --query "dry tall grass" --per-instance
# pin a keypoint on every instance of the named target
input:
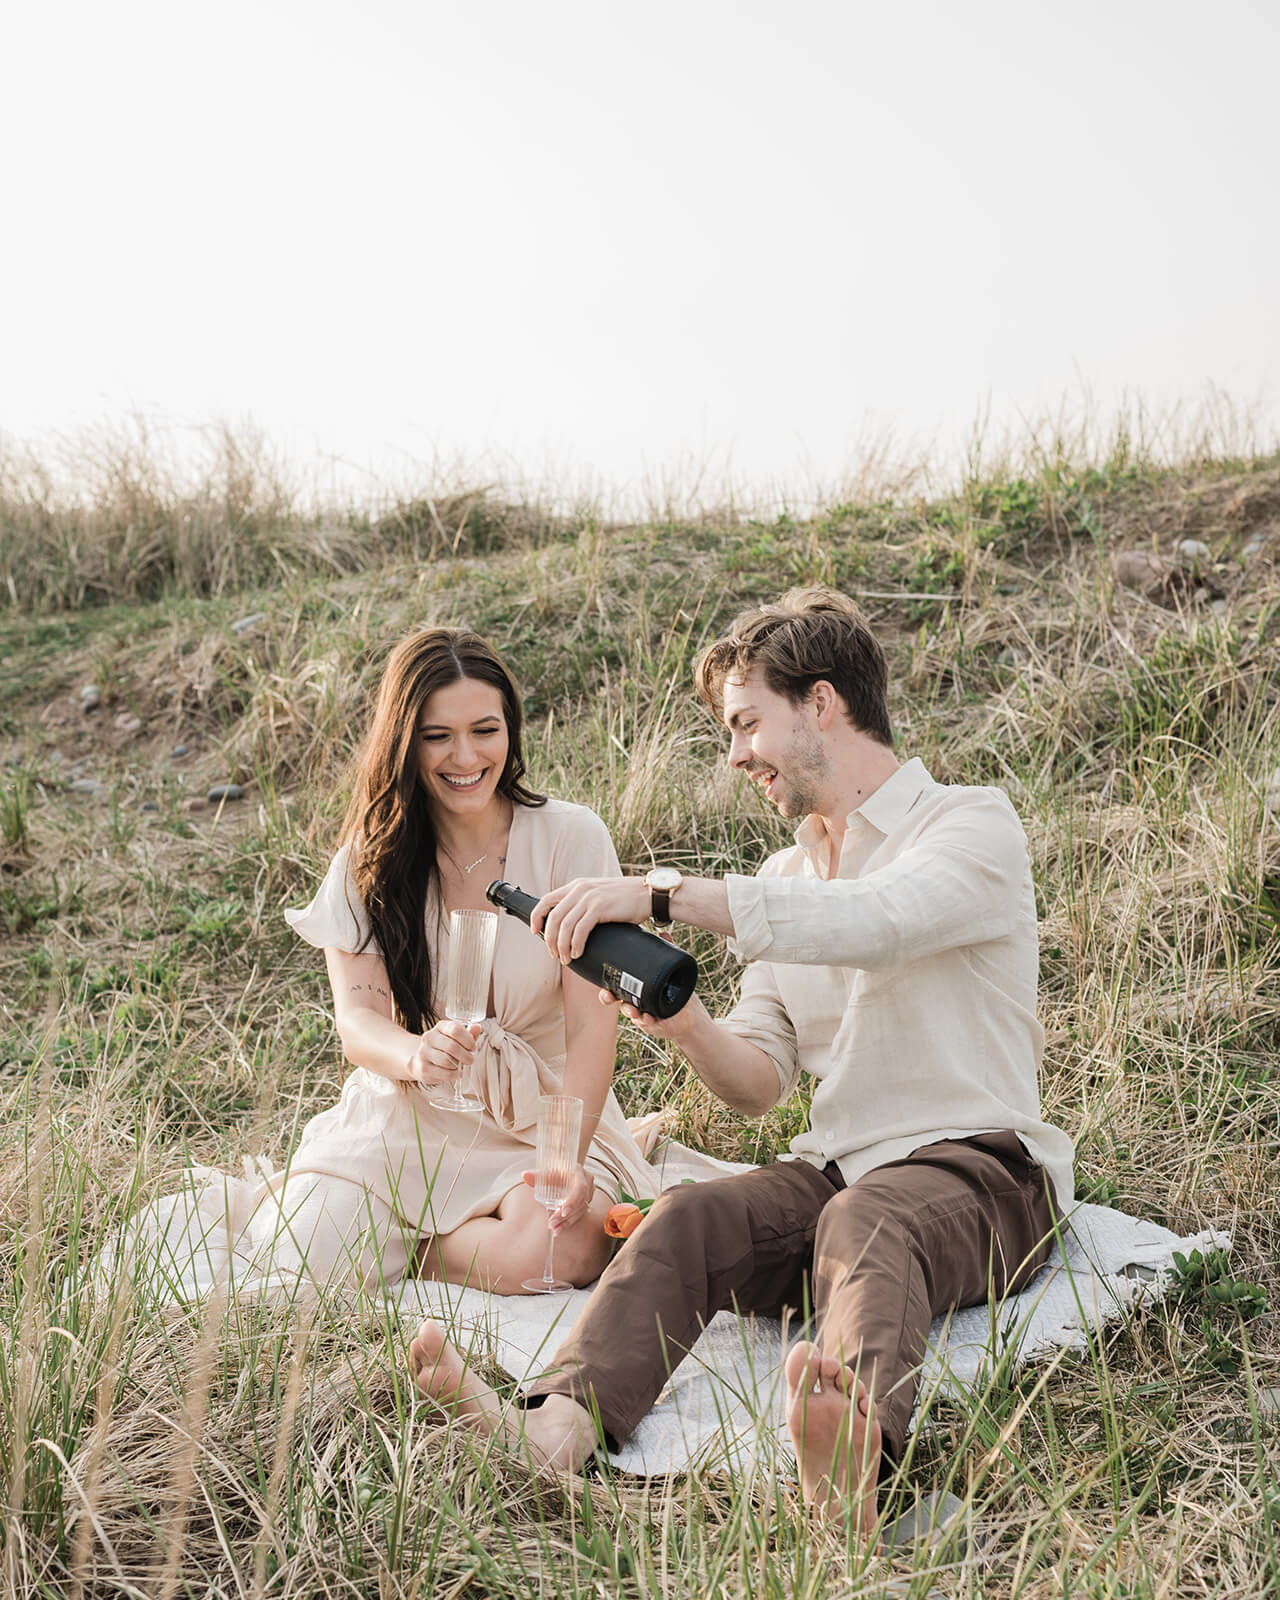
(156, 1012)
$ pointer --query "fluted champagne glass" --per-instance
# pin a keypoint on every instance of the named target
(559, 1129)
(472, 936)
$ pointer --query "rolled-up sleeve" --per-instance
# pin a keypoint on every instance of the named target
(762, 1020)
(960, 885)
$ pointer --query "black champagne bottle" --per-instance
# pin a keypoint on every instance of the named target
(638, 967)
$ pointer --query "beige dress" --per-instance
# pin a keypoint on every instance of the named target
(435, 1168)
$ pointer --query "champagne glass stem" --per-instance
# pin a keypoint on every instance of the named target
(548, 1276)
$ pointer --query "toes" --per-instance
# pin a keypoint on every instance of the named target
(421, 1365)
(800, 1368)
(809, 1370)
(429, 1354)
(835, 1375)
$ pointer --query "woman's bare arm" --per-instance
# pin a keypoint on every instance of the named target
(372, 1038)
(591, 1043)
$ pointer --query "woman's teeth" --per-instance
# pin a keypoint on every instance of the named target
(462, 783)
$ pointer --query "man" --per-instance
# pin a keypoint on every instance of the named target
(892, 954)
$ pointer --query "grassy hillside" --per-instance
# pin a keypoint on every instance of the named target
(1098, 637)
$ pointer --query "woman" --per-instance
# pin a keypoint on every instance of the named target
(383, 1180)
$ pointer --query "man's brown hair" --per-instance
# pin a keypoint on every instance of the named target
(810, 635)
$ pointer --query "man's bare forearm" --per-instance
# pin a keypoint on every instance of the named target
(739, 1073)
(565, 916)
(703, 903)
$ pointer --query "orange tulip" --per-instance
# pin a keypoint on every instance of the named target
(621, 1221)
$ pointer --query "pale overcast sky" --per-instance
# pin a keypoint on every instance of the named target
(610, 237)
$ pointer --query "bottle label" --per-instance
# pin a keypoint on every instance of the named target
(621, 983)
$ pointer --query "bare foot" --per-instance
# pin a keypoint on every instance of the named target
(836, 1437)
(442, 1374)
(558, 1433)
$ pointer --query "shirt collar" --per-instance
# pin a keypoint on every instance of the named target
(885, 809)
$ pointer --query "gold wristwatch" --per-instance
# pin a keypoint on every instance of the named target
(663, 883)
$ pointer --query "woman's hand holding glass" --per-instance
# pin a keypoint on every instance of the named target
(472, 939)
(446, 1050)
(582, 1188)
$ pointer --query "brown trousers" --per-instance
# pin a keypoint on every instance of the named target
(948, 1226)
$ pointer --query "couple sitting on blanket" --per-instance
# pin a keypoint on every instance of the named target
(891, 953)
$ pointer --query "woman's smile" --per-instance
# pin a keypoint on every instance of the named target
(462, 745)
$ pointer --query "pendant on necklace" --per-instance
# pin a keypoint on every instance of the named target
(476, 862)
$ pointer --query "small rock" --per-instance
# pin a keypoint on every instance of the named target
(90, 697)
(1255, 547)
(56, 758)
(197, 802)
(1193, 550)
(85, 786)
(1219, 608)
(247, 622)
(128, 723)
(1157, 578)
(224, 791)
(178, 751)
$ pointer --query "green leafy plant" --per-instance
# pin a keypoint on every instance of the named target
(1206, 1278)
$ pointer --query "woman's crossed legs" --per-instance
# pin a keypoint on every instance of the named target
(340, 1236)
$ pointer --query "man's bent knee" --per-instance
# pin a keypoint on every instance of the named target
(691, 1209)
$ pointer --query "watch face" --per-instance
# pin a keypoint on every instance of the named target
(664, 878)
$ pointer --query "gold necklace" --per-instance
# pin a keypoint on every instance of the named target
(468, 870)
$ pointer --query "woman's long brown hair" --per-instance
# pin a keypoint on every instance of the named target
(389, 819)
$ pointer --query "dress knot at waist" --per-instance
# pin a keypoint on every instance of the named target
(493, 1033)
(510, 1077)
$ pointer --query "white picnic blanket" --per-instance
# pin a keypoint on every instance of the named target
(724, 1404)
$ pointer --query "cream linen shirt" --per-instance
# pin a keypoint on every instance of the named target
(905, 983)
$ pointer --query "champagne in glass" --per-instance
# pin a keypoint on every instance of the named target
(472, 935)
(559, 1129)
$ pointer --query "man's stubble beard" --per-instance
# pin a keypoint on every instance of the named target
(807, 773)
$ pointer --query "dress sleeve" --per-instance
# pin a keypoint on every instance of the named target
(583, 848)
(336, 915)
